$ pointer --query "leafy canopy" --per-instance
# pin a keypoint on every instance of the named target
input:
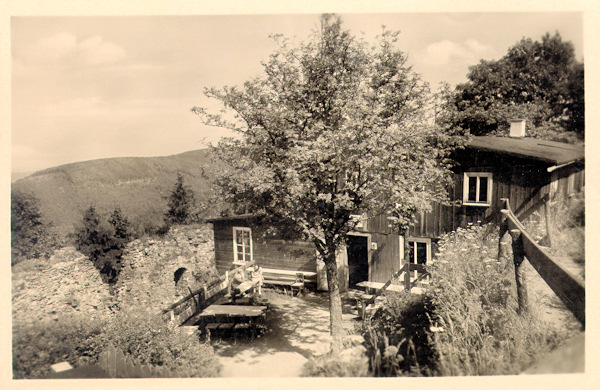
(538, 81)
(334, 127)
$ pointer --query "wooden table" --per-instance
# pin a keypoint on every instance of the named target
(231, 316)
(372, 287)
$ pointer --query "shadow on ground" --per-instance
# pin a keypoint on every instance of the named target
(296, 329)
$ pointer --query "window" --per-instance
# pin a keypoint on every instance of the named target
(419, 250)
(477, 189)
(242, 245)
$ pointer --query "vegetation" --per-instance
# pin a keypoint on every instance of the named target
(80, 340)
(30, 236)
(397, 336)
(182, 209)
(540, 81)
(104, 243)
(474, 302)
(333, 128)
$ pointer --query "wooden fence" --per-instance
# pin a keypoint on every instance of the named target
(117, 365)
(570, 291)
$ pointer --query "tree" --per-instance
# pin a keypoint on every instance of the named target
(181, 205)
(104, 243)
(538, 81)
(333, 128)
(121, 226)
(30, 236)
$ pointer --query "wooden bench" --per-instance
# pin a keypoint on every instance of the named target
(295, 280)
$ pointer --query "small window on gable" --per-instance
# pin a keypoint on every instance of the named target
(242, 245)
(477, 189)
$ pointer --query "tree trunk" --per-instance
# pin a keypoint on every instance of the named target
(335, 302)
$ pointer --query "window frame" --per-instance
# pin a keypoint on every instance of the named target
(235, 230)
(478, 175)
(422, 240)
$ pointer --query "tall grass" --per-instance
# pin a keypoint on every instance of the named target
(474, 302)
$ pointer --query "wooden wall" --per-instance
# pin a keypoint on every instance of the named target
(386, 259)
(271, 252)
(522, 181)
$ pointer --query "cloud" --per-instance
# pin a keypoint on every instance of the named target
(65, 49)
(446, 52)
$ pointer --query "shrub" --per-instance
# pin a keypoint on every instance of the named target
(71, 338)
(80, 339)
(474, 304)
(397, 336)
(147, 338)
(30, 236)
(350, 362)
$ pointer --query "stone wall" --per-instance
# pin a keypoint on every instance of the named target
(150, 264)
(68, 283)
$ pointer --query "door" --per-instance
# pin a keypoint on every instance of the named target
(358, 259)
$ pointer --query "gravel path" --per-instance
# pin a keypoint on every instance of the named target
(297, 328)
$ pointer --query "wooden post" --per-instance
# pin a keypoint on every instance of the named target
(501, 236)
(518, 257)
(406, 262)
(547, 216)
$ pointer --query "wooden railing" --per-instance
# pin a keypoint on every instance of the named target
(570, 290)
(197, 300)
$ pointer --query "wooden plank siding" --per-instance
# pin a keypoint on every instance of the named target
(272, 252)
(523, 184)
(386, 259)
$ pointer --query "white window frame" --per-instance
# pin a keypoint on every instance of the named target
(237, 229)
(424, 240)
(467, 175)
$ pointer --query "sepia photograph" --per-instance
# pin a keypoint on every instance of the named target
(297, 195)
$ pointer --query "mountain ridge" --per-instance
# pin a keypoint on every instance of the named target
(139, 186)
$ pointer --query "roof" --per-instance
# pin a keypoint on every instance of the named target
(552, 152)
(238, 217)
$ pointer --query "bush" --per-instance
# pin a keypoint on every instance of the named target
(397, 336)
(474, 307)
(350, 362)
(147, 338)
(30, 236)
(72, 338)
(80, 340)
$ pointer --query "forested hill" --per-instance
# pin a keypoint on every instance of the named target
(138, 185)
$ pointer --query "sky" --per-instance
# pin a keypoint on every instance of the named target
(85, 88)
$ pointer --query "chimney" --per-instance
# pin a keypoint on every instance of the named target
(517, 128)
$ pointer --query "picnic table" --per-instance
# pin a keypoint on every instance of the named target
(372, 287)
(231, 317)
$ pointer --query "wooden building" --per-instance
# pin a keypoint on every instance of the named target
(489, 169)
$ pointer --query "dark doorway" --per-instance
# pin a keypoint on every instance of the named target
(358, 259)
